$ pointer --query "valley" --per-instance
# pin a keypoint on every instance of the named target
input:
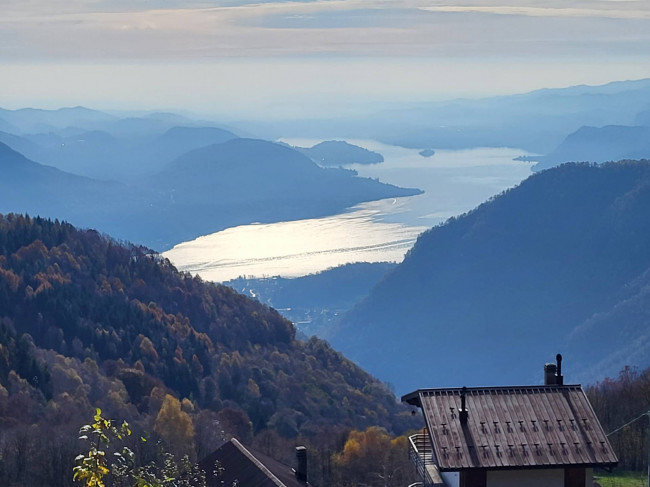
(360, 243)
(350, 271)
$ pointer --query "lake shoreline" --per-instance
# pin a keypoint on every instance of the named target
(454, 182)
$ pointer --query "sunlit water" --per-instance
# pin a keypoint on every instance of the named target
(454, 182)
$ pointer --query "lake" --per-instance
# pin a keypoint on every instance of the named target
(454, 182)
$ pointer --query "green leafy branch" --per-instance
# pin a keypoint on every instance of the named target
(93, 469)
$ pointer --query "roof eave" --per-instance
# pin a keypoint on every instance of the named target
(413, 398)
(531, 467)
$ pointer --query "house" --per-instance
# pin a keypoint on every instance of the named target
(240, 466)
(534, 436)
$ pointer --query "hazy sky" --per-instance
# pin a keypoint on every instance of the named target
(308, 57)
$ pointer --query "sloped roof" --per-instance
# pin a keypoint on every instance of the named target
(247, 467)
(513, 427)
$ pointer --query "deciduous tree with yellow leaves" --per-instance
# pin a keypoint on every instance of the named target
(175, 428)
(374, 458)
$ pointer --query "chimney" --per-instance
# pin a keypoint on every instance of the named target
(549, 374)
(553, 373)
(462, 413)
(301, 470)
(559, 378)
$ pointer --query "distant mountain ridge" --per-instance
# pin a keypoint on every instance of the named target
(102, 155)
(34, 120)
(600, 144)
(340, 153)
(550, 266)
(536, 121)
(30, 185)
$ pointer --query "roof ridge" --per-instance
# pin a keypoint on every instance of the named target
(500, 388)
(256, 462)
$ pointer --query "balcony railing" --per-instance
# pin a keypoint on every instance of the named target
(421, 455)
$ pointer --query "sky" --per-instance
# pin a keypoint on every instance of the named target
(308, 58)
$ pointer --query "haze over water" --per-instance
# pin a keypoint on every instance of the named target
(454, 182)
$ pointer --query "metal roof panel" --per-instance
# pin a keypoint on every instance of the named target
(514, 427)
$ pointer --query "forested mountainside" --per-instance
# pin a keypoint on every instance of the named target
(87, 322)
(622, 400)
(205, 190)
(557, 264)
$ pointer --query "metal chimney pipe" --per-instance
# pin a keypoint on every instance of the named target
(462, 414)
(301, 469)
(559, 379)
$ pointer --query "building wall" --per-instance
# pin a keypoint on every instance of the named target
(450, 478)
(528, 478)
(580, 477)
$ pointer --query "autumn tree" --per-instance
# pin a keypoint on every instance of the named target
(175, 428)
(372, 457)
(618, 402)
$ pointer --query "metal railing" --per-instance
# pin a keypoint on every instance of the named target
(420, 454)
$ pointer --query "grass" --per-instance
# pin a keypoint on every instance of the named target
(621, 479)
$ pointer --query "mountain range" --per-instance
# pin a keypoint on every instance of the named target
(205, 190)
(560, 263)
(600, 144)
(536, 122)
(34, 120)
(490, 281)
(101, 155)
